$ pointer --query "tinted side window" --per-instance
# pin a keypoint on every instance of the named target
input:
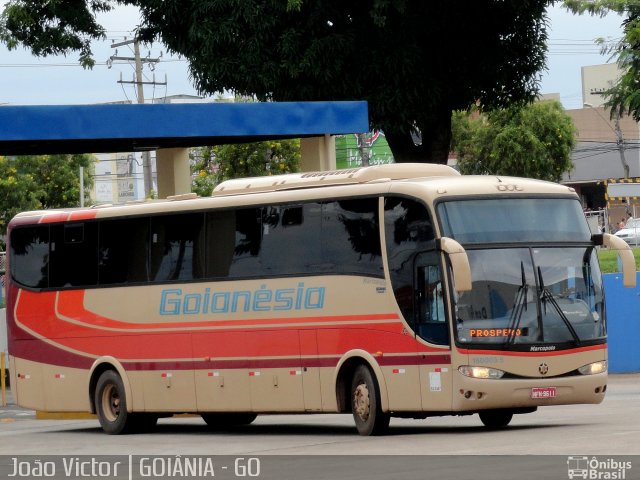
(221, 242)
(245, 261)
(351, 237)
(177, 247)
(408, 228)
(297, 239)
(74, 255)
(291, 239)
(123, 253)
(30, 256)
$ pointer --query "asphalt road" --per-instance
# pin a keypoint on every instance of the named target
(611, 428)
(547, 444)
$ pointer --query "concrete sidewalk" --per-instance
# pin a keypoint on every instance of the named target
(9, 398)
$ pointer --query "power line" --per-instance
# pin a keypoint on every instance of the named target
(77, 64)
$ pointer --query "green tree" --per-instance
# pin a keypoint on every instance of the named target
(414, 61)
(624, 97)
(533, 141)
(18, 192)
(212, 165)
(43, 181)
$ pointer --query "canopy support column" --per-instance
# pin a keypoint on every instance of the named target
(318, 154)
(174, 174)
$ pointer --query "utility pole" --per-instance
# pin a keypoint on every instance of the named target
(620, 143)
(363, 140)
(139, 83)
(617, 130)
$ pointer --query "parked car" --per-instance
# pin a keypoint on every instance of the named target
(631, 232)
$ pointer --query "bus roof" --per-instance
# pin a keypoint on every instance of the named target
(429, 181)
(378, 173)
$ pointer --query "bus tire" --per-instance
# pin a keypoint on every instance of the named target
(365, 403)
(111, 405)
(496, 418)
(225, 420)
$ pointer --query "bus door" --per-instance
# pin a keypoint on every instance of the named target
(431, 326)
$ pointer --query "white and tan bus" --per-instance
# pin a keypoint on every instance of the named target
(389, 291)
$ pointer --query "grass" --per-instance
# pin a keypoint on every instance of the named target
(609, 260)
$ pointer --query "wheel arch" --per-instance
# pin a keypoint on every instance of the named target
(100, 366)
(344, 373)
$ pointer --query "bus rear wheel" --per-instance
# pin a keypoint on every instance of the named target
(496, 418)
(226, 420)
(111, 405)
(365, 403)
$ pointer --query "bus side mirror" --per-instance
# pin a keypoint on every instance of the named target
(459, 263)
(626, 257)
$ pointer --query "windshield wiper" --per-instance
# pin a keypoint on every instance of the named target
(519, 306)
(547, 296)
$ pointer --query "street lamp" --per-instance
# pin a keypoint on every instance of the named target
(619, 137)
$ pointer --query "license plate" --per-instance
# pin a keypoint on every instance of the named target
(543, 392)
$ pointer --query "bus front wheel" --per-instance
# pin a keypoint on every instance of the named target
(111, 404)
(496, 418)
(365, 403)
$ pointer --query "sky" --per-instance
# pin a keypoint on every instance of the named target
(29, 80)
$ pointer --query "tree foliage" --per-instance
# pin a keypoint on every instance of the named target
(624, 97)
(534, 141)
(44, 181)
(213, 165)
(414, 61)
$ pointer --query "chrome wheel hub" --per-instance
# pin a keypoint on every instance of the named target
(361, 403)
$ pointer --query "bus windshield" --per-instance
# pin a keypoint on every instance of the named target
(526, 293)
(502, 220)
(529, 296)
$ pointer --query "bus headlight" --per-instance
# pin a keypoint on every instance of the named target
(593, 368)
(480, 372)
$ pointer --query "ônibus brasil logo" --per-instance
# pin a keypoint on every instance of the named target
(596, 468)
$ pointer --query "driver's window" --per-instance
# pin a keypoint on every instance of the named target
(430, 321)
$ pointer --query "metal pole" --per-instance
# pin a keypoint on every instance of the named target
(146, 157)
(364, 148)
(620, 142)
(619, 138)
(81, 187)
(3, 382)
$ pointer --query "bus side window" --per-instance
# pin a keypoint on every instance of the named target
(30, 256)
(74, 255)
(245, 262)
(408, 230)
(123, 251)
(177, 247)
(221, 241)
(430, 322)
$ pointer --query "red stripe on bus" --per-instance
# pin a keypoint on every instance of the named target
(54, 217)
(37, 312)
(255, 365)
(39, 351)
(83, 215)
(414, 360)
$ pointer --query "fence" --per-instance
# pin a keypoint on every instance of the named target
(623, 324)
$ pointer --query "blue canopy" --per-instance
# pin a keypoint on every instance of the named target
(33, 130)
